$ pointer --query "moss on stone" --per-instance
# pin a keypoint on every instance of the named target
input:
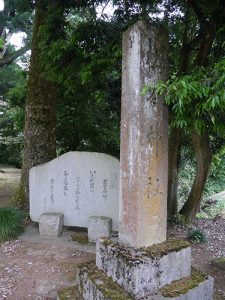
(219, 263)
(158, 250)
(104, 284)
(132, 256)
(80, 237)
(182, 286)
(69, 293)
(107, 242)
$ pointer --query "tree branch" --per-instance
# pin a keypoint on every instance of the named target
(197, 11)
(10, 58)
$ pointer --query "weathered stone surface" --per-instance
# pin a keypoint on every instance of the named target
(144, 271)
(95, 285)
(99, 227)
(144, 140)
(77, 184)
(51, 224)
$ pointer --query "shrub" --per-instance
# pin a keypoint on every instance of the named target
(11, 223)
(177, 219)
(196, 236)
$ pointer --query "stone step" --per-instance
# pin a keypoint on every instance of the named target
(198, 286)
(95, 285)
(145, 270)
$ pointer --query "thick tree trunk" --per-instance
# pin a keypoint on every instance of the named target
(40, 121)
(203, 157)
(173, 168)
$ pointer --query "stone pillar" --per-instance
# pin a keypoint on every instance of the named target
(144, 140)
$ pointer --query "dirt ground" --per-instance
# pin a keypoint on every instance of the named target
(34, 270)
(202, 254)
(9, 179)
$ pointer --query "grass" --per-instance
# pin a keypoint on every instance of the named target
(11, 223)
(196, 236)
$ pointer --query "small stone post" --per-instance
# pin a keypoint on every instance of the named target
(144, 140)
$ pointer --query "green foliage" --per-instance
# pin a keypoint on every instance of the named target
(13, 91)
(11, 223)
(212, 210)
(197, 100)
(216, 179)
(1, 43)
(85, 61)
(196, 236)
(177, 219)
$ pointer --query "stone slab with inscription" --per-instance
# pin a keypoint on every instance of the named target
(77, 184)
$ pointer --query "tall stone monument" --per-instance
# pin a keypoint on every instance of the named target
(142, 264)
(144, 141)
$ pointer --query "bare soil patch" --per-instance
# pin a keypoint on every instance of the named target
(9, 181)
(36, 271)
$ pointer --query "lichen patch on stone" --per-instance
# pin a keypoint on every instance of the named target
(104, 284)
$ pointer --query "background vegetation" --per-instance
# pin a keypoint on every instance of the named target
(75, 75)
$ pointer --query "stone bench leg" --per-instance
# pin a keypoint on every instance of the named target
(99, 227)
(51, 224)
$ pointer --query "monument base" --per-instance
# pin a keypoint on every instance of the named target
(98, 227)
(144, 270)
(162, 271)
(94, 284)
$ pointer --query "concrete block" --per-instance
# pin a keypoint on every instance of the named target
(145, 270)
(99, 227)
(51, 224)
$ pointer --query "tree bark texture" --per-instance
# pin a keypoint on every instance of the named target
(173, 169)
(203, 157)
(40, 120)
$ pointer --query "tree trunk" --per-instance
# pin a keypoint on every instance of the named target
(173, 168)
(203, 157)
(40, 120)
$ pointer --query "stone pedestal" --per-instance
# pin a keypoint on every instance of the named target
(159, 272)
(99, 227)
(147, 269)
(51, 224)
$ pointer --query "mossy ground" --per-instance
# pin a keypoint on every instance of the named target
(180, 287)
(80, 237)
(69, 293)
(219, 263)
(69, 269)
